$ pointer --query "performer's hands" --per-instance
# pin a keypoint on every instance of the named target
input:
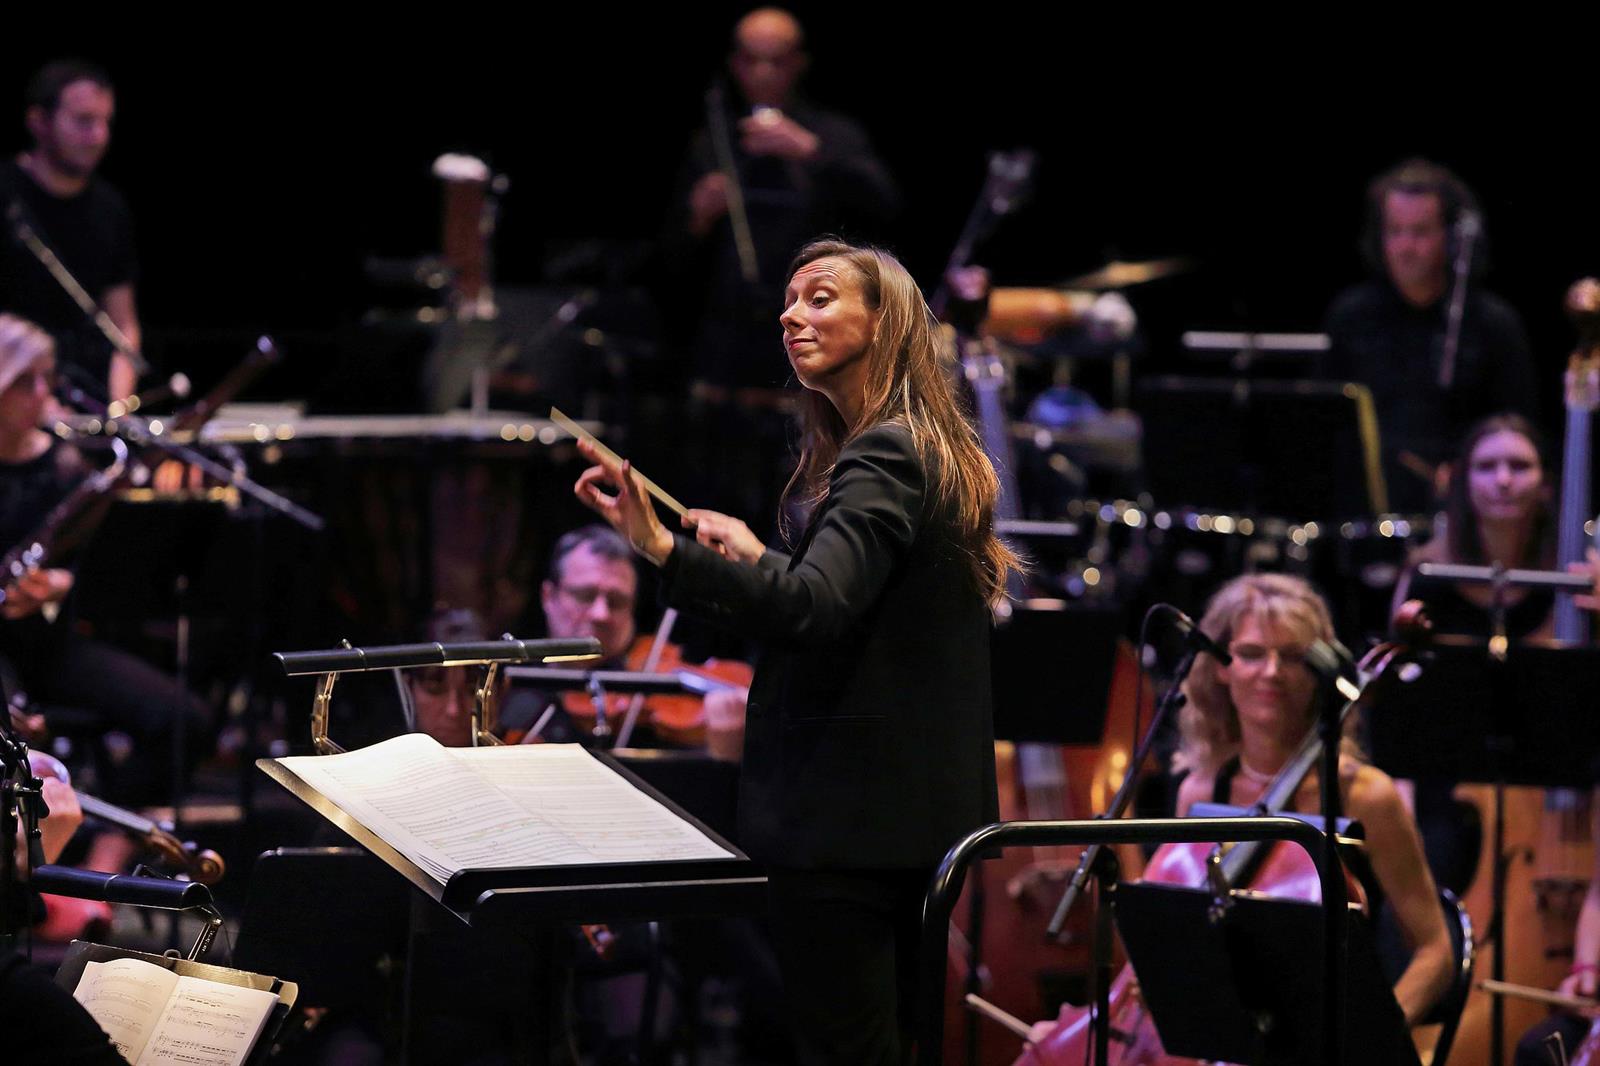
(771, 132)
(630, 511)
(55, 828)
(723, 712)
(708, 201)
(65, 816)
(730, 537)
(1581, 982)
(33, 590)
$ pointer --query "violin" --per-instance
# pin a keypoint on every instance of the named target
(202, 865)
(1277, 868)
(678, 720)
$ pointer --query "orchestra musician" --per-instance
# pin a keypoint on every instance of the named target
(52, 187)
(1497, 513)
(53, 664)
(869, 740)
(41, 1021)
(772, 166)
(591, 591)
(1243, 723)
(1391, 331)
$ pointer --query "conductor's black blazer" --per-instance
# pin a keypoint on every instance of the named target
(869, 739)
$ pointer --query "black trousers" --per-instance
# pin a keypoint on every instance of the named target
(847, 945)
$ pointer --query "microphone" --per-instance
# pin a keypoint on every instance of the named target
(1333, 663)
(174, 388)
(1195, 638)
(121, 888)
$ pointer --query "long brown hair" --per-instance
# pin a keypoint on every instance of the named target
(905, 383)
(1463, 538)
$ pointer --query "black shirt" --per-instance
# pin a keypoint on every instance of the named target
(29, 489)
(1395, 349)
(845, 189)
(92, 235)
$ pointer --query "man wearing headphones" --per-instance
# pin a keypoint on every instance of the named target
(1393, 331)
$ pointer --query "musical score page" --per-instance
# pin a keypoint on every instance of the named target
(580, 797)
(450, 809)
(157, 1018)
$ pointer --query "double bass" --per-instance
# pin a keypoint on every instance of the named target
(1277, 869)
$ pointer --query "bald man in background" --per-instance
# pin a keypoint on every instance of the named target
(802, 170)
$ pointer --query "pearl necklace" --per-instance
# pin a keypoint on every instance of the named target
(1255, 775)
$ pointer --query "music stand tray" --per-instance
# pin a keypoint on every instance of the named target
(1249, 989)
(607, 892)
(1295, 449)
(1537, 724)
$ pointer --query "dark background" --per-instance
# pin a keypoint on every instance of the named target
(264, 162)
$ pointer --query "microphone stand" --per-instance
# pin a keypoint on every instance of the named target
(30, 240)
(148, 434)
(717, 125)
(21, 806)
(1100, 862)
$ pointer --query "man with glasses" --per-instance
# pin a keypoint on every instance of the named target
(591, 592)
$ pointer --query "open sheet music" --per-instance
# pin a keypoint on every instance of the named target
(156, 1017)
(454, 809)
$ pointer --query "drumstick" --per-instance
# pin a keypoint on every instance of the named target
(993, 1013)
(1538, 995)
(594, 442)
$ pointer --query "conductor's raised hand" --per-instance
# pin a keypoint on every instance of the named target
(614, 492)
(728, 536)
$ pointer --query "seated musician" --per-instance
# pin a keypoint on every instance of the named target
(1497, 512)
(40, 1019)
(1243, 722)
(45, 657)
(591, 592)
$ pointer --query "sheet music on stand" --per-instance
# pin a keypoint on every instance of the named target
(566, 833)
(213, 1019)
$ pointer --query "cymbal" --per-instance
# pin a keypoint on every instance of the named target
(1118, 274)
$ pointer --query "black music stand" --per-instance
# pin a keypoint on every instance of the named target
(1531, 720)
(81, 953)
(1235, 987)
(1295, 449)
(530, 903)
(1498, 712)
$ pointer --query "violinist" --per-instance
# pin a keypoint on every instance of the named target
(1243, 722)
(591, 591)
(869, 742)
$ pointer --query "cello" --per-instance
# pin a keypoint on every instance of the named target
(1280, 870)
